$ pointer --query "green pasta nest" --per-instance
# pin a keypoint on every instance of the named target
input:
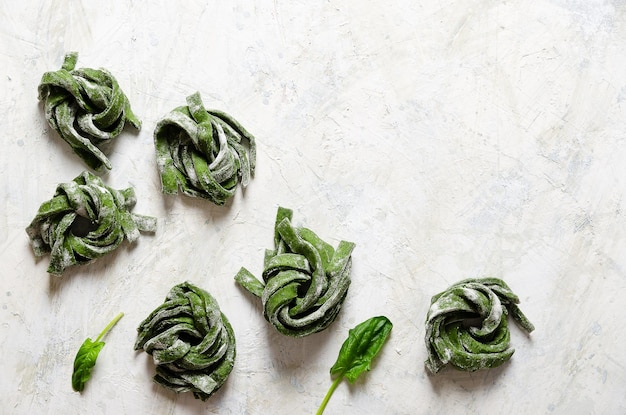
(190, 340)
(204, 153)
(86, 107)
(466, 325)
(83, 221)
(305, 280)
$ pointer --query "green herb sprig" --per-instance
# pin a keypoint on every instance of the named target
(87, 355)
(364, 342)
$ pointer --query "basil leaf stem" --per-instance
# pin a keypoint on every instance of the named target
(87, 355)
(364, 342)
(330, 392)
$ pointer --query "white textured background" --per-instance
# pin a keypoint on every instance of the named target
(448, 139)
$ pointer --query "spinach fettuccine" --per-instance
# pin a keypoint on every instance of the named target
(87, 108)
(467, 326)
(84, 220)
(190, 340)
(305, 280)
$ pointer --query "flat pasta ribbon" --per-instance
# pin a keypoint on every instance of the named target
(466, 325)
(86, 107)
(305, 280)
(83, 221)
(202, 152)
(190, 340)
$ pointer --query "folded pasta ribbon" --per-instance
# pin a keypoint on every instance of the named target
(305, 280)
(83, 221)
(190, 340)
(86, 107)
(204, 153)
(466, 325)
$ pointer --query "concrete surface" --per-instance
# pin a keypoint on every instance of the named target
(447, 139)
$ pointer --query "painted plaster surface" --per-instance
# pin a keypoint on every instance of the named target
(446, 139)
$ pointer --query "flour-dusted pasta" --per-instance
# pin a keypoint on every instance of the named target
(190, 340)
(305, 280)
(204, 153)
(86, 107)
(83, 221)
(467, 327)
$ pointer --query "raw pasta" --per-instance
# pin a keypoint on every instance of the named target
(202, 152)
(190, 340)
(305, 280)
(86, 107)
(83, 221)
(467, 327)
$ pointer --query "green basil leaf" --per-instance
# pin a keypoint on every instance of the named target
(83, 363)
(357, 352)
(362, 345)
(87, 355)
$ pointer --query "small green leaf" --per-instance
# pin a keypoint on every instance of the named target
(83, 363)
(86, 357)
(357, 352)
(362, 345)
